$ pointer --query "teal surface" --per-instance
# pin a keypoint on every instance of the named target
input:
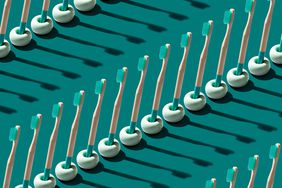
(74, 56)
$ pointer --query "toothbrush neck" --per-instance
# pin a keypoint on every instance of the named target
(138, 97)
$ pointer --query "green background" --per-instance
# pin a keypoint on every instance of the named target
(116, 34)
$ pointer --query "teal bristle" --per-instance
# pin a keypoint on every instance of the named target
(99, 87)
(249, 6)
(56, 110)
(77, 99)
(120, 75)
(227, 17)
(13, 134)
(163, 52)
(230, 175)
(34, 122)
(252, 163)
(141, 63)
(273, 152)
(184, 40)
(209, 184)
(206, 29)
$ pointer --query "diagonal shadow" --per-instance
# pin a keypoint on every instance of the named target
(270, 75)
(100, 168)
(250, 86)
(67, 74)
(33, 45)
(54, 33)
(229, 98)
(129, 38)
(9, 58)
(198, 4)
(238, 137)
(23, 97)
(187, 122)
(143, 144)
(153, 27)
(121, 156)
(261, 126)
(42, 84)
(277, 65)
(79, 180)
(7, 110)
(176, 173)
(171, 14)
(165, 133)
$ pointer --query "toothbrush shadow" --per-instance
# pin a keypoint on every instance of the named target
(270, 75)
(101, 168)
(251, 86)
(55, 33)
(33, 45)
(7, 110)
(12, 57)
(79, 180)
(150, 26)
(229, 98)
(23, 97)
(187, 122)
(171, 14)
(44, 85)
(198, 4)
(207, 109)
(77, 22)
(122, 156)
(143, 145)
(165, 133)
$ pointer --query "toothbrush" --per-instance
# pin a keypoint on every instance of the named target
(57, 114)
(131, 135)
(260, 65)
(228, 20)
(232, 176)
(88, 158)
(78, 102)
(174, 112)
(45, 8)
(265, 33)
(195, 100)
(207, 32)
(99, 90)
(185, 44)
(253, 166)
(164, 55)
(274, 155)
(24, 17)
(13, 137)
(110, 147)
(35, 125)
(250, 9)
(4, 21)
(211, 183)
(66, 170)
(121, 79)
(142, 66)
(152, 123)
